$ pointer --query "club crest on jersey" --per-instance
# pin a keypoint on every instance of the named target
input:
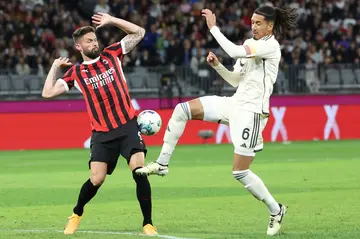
(102, 79)
(105, 61)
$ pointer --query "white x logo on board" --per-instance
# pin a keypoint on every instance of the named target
(279, 127)
(331, 124)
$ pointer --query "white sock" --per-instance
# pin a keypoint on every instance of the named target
(174, 130)
(256, 187)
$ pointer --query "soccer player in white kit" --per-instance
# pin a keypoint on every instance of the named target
(247, 111)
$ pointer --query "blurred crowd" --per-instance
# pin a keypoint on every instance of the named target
(35, 32)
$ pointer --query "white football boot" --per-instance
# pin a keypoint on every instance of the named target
(153, 168)
(275, 222)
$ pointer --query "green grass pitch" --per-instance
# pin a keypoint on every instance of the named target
(319, 181)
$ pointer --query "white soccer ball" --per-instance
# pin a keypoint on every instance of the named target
(149, 122)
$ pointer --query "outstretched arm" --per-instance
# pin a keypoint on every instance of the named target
(135, 32)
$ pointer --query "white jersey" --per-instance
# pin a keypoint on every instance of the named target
(258, 74)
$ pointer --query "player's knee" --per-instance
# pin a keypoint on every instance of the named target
(182, 112)
(97, 179)
(241, 175)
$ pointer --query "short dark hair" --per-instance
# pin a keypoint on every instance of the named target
(78, 33)
(284, 19)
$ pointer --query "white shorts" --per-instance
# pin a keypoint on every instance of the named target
(245, 127)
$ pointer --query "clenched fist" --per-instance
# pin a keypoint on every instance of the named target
(212, 59)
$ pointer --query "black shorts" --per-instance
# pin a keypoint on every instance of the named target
(128, 142)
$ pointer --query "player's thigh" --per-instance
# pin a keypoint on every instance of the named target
(245, 128)
(216, 108)
(106, 153)
(133, 147)
(260, 141)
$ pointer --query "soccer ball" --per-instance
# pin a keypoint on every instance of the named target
(149, 122)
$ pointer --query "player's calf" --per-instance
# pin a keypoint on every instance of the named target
(87, 192)
(174, 130)
(257, 188)
(143, 193)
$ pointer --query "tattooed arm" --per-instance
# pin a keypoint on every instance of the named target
(135, 33)
(131, 40)
(52, 87)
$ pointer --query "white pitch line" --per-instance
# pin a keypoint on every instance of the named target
(90, 232)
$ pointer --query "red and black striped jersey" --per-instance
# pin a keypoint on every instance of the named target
(103, 84)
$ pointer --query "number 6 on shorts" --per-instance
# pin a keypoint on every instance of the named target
(245, 130)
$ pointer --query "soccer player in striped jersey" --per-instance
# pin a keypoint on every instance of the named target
(115, 132)
(247, 111)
